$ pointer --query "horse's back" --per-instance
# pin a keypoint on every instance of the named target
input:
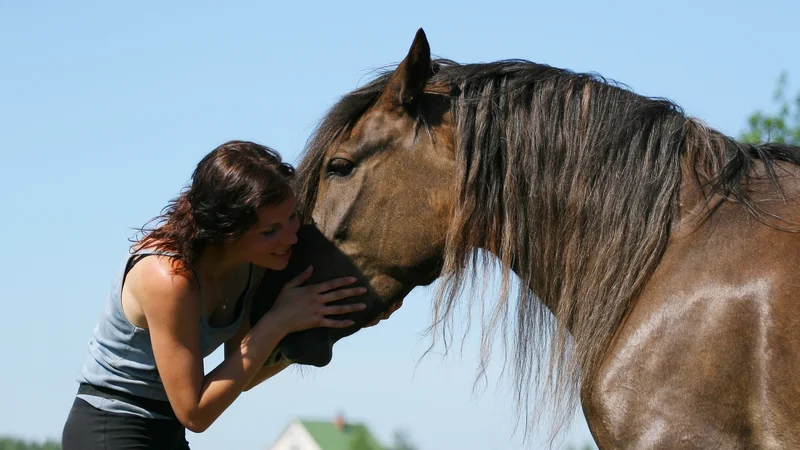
(710, 353)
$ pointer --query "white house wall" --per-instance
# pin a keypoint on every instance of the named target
(295, 438)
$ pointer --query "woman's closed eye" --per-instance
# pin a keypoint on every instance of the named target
(271, 230)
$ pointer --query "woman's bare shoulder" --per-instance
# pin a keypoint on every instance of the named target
(155, 287)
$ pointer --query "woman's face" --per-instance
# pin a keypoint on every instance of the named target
(269, 243)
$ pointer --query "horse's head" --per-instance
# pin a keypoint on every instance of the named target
(383, 189)
(377, 180)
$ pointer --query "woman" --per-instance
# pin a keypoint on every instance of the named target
(184, 291)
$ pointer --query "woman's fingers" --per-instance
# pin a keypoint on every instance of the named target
(332, 284)
(341, 293)
(343, 309)
(331, 323)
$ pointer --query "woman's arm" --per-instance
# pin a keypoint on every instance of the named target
(172, 309)
(266, 372)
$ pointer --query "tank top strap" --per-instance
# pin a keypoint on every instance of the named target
(249, 279)
(247, 288)
(243, 298)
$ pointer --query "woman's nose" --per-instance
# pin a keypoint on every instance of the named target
(290, 237)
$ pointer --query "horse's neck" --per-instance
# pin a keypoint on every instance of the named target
(692, 206)
(693, 203)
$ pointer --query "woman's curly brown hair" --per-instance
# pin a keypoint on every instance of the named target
(228, 187)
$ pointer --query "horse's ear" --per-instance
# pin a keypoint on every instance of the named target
(409, 79)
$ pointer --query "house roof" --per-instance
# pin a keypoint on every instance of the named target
(328, 437)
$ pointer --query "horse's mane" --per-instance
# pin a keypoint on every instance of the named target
(571, 181)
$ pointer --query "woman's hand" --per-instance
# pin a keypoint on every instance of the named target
(299, 307)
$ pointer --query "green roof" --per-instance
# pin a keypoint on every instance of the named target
(354, 436)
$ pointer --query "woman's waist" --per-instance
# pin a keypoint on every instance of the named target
(158, 406)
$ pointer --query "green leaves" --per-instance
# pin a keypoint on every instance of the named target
(361, 441)
(783, 126)
(8, 443)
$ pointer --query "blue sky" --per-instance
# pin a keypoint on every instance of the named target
(105, 108)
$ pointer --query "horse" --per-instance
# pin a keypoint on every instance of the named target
(654, 255)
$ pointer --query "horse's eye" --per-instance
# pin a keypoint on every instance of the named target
(340, 167)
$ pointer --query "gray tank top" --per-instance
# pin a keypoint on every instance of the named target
(121, 357)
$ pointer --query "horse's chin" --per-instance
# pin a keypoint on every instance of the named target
(389, 290)
(313, 347)
(317, 359)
